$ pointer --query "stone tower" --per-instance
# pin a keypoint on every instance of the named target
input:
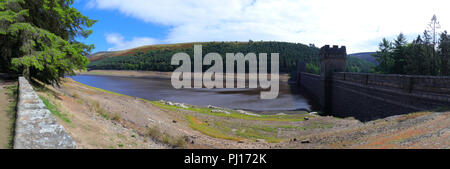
(331, 60)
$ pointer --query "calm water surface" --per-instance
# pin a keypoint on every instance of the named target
(161, 89)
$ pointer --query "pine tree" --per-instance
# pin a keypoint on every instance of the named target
(433, 26)
(415, 56)
(444, 52)
(384, 57)
(37, 38)
(399, 52)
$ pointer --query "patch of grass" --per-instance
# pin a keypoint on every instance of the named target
(54, 110)
(253, 134)
(121, 136)
(233, 113)
(94, 106)
(317, 125)
(236, 132)
(12, 93)
(204, 128)
(156, 134)
(39, 86)
(105, 116)
(78, 98)
(224, 127)
(116, 117)
(180, 142)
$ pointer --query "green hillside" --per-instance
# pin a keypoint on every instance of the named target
(158, 57)
(358, 65)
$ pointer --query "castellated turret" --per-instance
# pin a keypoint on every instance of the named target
(332, 59)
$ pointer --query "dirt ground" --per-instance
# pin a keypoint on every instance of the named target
(6, 119)
(103, 119)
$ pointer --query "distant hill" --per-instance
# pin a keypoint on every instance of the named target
(103, 55)
(99, 54)
(367, 56)
(158, 57)
(355, 64)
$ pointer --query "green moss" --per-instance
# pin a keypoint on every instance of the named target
(204, 128)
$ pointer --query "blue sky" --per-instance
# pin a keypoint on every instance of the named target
(360, 25)
(111, 22)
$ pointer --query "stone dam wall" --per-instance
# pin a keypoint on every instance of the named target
(369, 96)
(372, 96)
(35, 127)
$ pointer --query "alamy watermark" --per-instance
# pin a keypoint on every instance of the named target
(214, 76)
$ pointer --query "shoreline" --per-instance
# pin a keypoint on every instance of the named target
(260, 112)
(283, 77)
(167, 76)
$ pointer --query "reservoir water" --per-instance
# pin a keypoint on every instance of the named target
(289, 98)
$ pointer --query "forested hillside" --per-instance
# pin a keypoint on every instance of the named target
(355, 64)
(157, 58)
(367, 56)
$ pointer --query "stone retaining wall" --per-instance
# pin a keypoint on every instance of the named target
(36, 128)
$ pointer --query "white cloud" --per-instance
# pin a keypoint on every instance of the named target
(119, 42)
(355, 23)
